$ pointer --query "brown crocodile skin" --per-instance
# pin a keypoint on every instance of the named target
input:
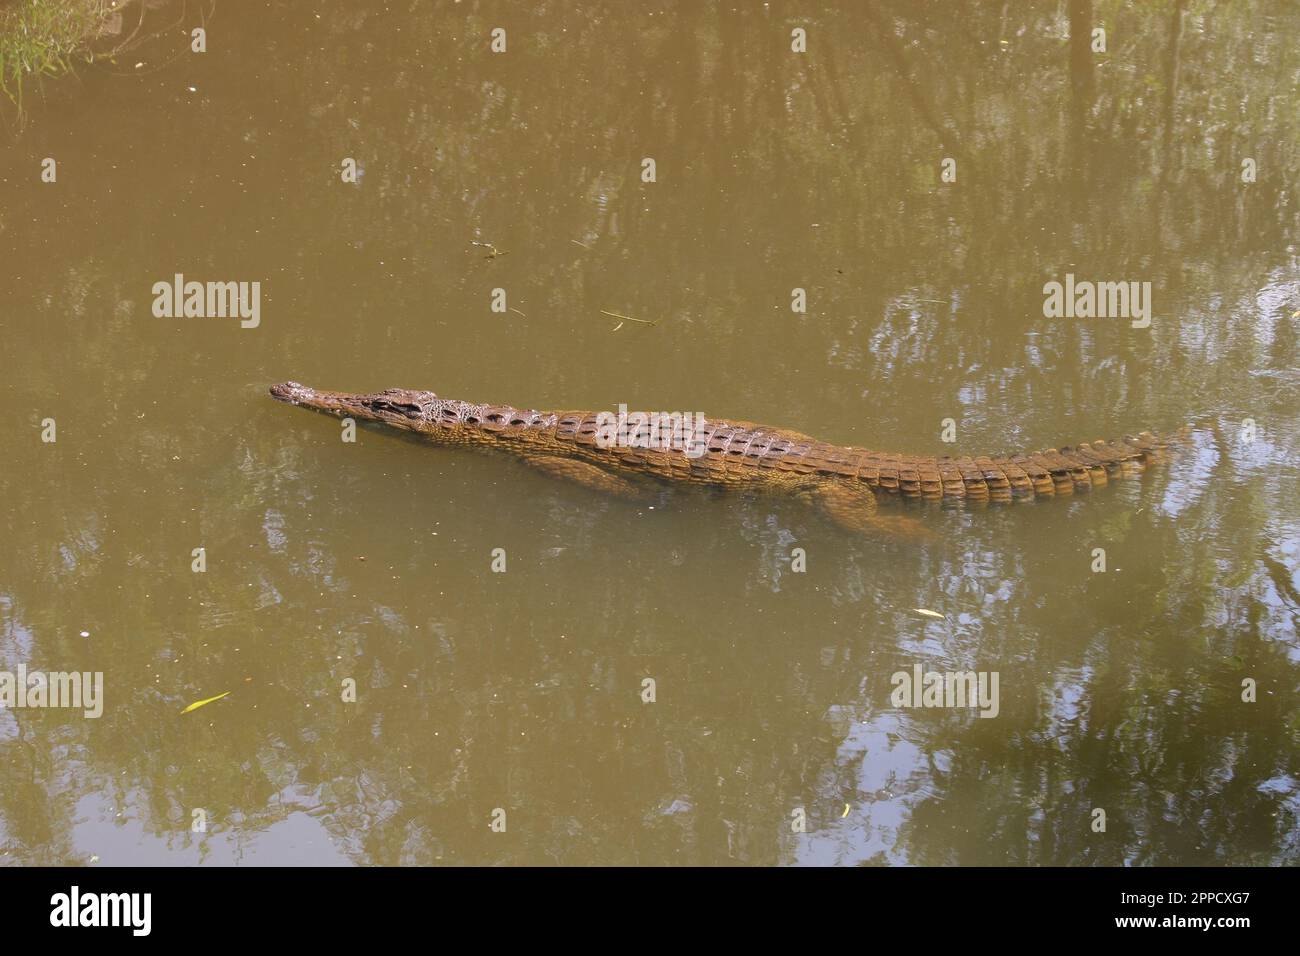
(740, 454)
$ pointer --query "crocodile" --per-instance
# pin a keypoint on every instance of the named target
(730, 454)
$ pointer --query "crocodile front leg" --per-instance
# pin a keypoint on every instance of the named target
(589, 476)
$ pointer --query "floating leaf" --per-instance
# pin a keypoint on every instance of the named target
(928, 613)
(199, 703)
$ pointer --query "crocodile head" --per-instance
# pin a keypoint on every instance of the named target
(399, 407)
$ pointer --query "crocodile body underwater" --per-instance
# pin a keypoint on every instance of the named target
(843, 481)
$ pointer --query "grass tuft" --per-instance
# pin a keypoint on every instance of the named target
(45, 37)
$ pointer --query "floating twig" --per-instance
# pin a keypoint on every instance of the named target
(628, 318)
(493, 251)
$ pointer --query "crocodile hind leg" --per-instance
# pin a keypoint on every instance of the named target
(854, 508)
(589, 476)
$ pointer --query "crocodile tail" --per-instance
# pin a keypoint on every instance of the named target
(1050, 472)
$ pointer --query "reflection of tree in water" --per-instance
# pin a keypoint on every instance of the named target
(1142, 146)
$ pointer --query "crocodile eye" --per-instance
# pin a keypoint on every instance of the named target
(401, 408)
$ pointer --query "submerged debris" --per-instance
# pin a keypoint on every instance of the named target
(199, 703)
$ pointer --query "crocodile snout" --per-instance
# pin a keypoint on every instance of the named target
(290, 392)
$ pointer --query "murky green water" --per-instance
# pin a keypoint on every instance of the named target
(477, 691)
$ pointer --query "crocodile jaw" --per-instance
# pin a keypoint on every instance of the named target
(398, 407)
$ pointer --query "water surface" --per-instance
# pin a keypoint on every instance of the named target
(522, 691)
